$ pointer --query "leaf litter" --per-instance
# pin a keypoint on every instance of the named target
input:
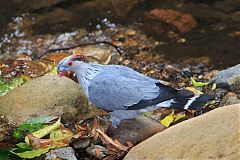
(42, 136)
(55, 135)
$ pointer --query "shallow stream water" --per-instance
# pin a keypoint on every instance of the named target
(216, 34)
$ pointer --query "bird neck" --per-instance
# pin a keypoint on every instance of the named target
(85, 73)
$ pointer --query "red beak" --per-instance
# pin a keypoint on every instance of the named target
(62, 73)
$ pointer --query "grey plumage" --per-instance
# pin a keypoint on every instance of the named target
(117, 88)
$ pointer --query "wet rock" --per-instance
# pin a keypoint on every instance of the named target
(47, 95)
(81, 143)
(61, 153)
(120, 8)
(229, 79)
(210, 74)
(135, 130)
(183, 22)
(45, 4)
(98, 53)
(97, 151)
(214, 135)
(230, 98)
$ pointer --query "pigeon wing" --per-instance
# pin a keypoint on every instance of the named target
(117, 92)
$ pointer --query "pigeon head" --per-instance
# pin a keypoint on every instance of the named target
(70, 63)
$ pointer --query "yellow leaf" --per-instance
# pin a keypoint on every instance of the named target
(60, 134)
(179, 116)
(2, 66)
(214, 86)
(44, 131)
(194, 90)
(212, 102)
(25, 78)
(198, 84)
(168, 119)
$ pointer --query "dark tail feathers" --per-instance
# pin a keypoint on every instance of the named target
(183, 99)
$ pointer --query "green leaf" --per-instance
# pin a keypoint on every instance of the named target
(26, 128)
(7, 86)
(31, 126)
(16, 82)
(198, 84)
(23, 145)
(212, 102)
(168, 119)
(4, 155)
(148, 114)
(33, 153)
(45, 131)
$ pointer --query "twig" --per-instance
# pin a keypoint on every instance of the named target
(119, 50)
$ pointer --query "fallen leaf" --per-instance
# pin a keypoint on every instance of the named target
(32, 125)
(92, 150)
(42, 143)
(214, 86)
(25, 78)
(53, 71)
(61, 133)
(25, 129)
(194, 90)
(94, 133)
(198, 84)
(108, 140)
(179, 117)
(56, 57)
(2, 65)
(148, 114)
(33, 153)
(7, 86)
(45, 131)
(4, 155)
(94, 54)
(168, 119)
(23, 145)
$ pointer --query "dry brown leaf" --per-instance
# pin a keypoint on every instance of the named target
(130, 144)
(56, 57)
(95, 134)
(109, 140)
(42, 143)
(94, 54)
(82, 131)
(97, 153)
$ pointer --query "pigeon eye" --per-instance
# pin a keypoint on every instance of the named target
(69, 63)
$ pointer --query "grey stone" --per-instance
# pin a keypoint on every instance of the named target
(136, 130)
(229, 99)
(229, 79)
(67, 153)
(47, 95)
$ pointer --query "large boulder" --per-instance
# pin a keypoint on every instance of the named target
(229, 79)
(214, 135)
(47, 95)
